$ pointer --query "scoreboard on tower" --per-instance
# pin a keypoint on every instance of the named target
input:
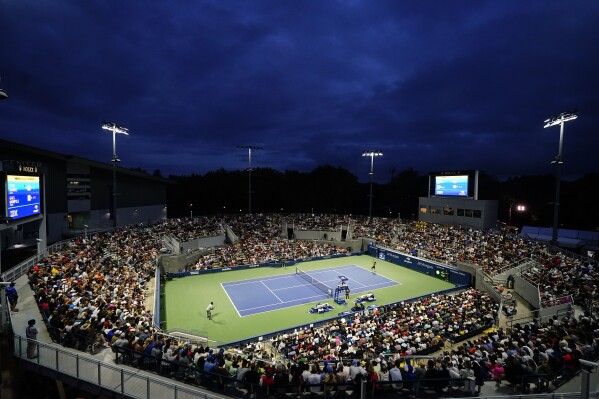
(23, 197)
(23, 187)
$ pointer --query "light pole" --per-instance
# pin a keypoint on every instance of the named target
(114, 128)
(85, 230)
(250, 148)
(559, 119)
(371, 154)
(509, 211)
(191, 212)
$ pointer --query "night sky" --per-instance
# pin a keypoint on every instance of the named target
(435, 85)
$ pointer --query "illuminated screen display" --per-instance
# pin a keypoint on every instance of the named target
(454, 186)
(22, 196)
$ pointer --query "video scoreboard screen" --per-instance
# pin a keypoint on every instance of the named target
(454, 186)
(23, 197)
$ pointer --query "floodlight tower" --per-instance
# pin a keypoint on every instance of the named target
(560, 120)
(114, 128)
(371, 154)
(250, 148)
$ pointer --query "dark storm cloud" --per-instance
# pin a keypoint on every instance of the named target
(435, 86)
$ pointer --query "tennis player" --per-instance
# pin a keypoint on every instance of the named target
(373, 268)
(209, 310)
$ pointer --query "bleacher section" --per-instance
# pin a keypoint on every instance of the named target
(94, 289)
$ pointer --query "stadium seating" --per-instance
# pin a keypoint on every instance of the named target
(102, 282)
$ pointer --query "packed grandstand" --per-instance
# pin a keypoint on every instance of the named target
(93, 292)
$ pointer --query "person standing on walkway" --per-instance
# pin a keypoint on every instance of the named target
(12, 296)
(209, 310)
(31, 334)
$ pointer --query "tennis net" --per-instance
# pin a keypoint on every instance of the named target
(320, 285)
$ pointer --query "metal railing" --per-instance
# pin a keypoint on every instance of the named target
(129, 383)
(549, 303)
(194, 337)
(133, 383)
(570, 254)
(529, 317)
(22, 268)
(516, 266)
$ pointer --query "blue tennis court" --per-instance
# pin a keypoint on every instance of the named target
(271, 293)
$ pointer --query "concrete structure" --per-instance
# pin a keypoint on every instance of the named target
(480, 214)
(78, 195)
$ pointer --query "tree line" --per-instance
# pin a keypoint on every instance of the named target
(334, 190)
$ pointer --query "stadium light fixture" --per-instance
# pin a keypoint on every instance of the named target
(372, 155)
(518, 207)
(115, 129)
(3, 94)
(559, 119)
(249, 148)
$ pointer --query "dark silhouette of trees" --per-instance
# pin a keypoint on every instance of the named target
(329, 189)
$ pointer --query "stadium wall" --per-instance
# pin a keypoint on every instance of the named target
(354, 245)
(78, 192)
(173, 263)
(528, 292)
(157, 295)
(433, 269)
(317, 235)
(206, 242)
(480, 214)
(231, 236)
(268, 264)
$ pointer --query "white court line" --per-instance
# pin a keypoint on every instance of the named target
(384, 284)
(257, 280)
(299, 299)
(233, 303)
(271, 291)
(306, 284)
(351, 279)
(356, 281)
(303, 299)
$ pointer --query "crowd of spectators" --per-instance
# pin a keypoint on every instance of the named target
(379, 346)
(96, 285)
(492, 250)
(88, 277)
(534, 352)
(188, 229)
(317, 222)
(94, 290)
(406, 328)
(259, 242)
(383, 230)
(560, 279)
